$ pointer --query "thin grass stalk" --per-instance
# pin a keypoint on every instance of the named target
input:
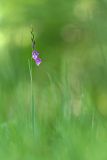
(32, 99)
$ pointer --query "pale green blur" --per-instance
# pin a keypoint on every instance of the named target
(69, 87)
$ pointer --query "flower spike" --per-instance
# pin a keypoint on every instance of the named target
(35, 54)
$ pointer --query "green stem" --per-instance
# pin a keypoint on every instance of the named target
(32, 99)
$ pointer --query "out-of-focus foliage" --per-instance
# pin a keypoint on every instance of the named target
(69, 87)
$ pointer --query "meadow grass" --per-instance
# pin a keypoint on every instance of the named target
(56, 132)
(57, 111)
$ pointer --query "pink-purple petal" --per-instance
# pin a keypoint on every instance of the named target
(36, 58)
(38, 61)
(35, 55)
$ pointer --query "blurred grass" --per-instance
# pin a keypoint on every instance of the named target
(69, 87)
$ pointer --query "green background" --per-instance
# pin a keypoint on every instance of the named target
(62, 113)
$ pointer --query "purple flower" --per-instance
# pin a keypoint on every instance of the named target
(36, 58)
(38, 61)
(35, 54)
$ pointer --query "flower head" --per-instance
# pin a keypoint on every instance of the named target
(35, 54)
(36, 58)
(38, 61)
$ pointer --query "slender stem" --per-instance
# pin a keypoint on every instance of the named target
(32, 98)
(32, 38)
